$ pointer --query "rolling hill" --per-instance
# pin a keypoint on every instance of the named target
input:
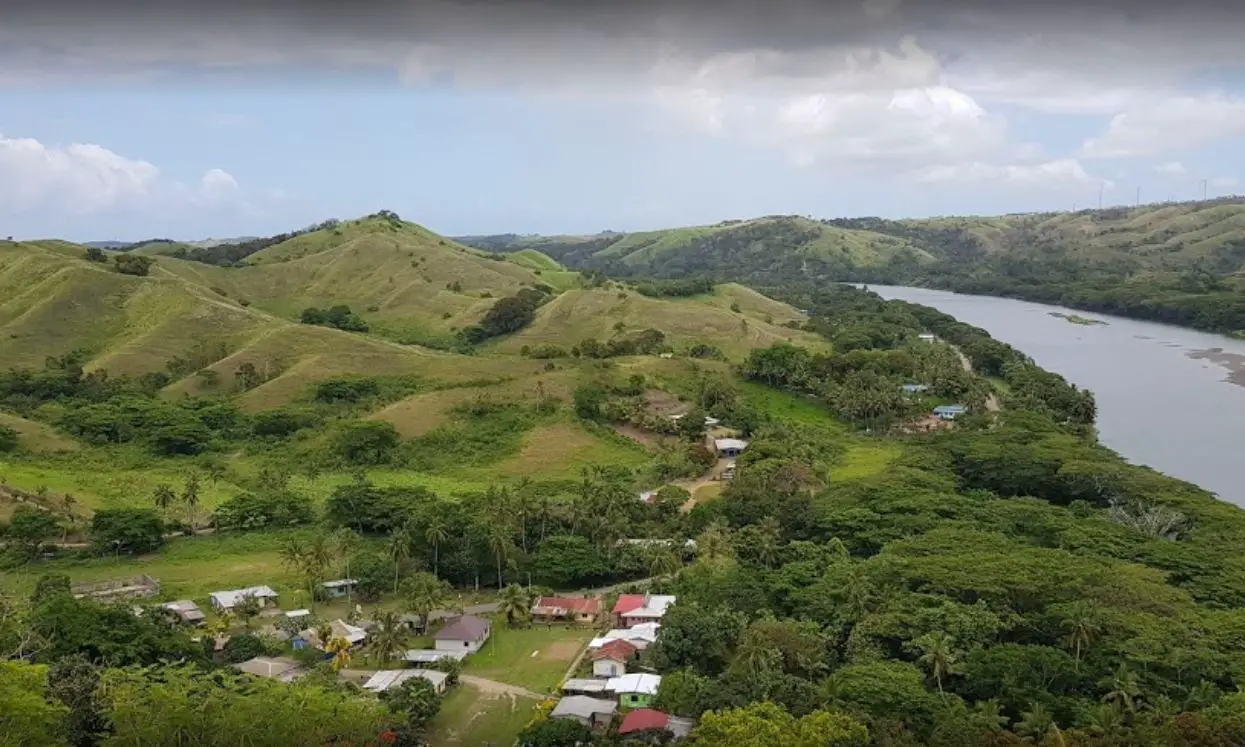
(1182, 263)
(410, 285)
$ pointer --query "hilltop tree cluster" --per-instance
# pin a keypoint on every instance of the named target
(337, 317)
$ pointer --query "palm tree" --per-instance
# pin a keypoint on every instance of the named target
(163, 497)
(422, 593)
(515, 603)
(401, 543)
(340, 649)
(1036, 723)
(67, 504)
(937, 655)
(1124, 689)
(308, 559)
(664, 561)
(769, 537)
(499, 543)
(190, 496)
(1082, 624)
(1104, 720)
(346, 543)
(714, 542)
(388, 639)
(990, 713)
(436, 532)
(523, 506)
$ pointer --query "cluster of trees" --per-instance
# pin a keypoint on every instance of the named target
(337, 317)
(133, 264)
(232, 254)
(673, 288)
(645, 342)
(507, 315)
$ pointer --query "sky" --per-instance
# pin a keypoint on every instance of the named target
(136, 119)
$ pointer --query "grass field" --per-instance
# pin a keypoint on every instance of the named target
(37, 437)
(535, 658)
(470, 717)
(577, 315)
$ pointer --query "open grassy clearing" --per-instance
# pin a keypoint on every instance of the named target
(535, 658)
(471, 717)
(107, 478)
(37, 437)
(577, 315)
(562, 450)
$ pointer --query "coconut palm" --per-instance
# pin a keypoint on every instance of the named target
(436, 532)
(346, 543)
(163, 497)
(422, 593)
(937, 655)
(190, 496)
(401, 545)
(515, 603)
(499, 543)
(340, 649)
(1123, 689)
(714, 542)
(1082, 624)
(1036, 723)
(768, 539)
(664, 561)
(389, 638)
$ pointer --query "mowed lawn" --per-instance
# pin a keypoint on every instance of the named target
(470, 717)
(535, 658)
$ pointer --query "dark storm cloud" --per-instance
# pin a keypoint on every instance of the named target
(543, 38)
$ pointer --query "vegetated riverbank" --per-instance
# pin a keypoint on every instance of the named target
(1077, 319)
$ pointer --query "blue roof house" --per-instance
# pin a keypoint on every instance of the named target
(914, 388)
(949, 412)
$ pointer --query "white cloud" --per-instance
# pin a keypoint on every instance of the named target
(1058, 173)
(1169, 124)
(82, 179)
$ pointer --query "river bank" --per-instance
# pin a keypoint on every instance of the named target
(1168, 397)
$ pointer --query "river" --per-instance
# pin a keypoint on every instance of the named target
(1168, 397)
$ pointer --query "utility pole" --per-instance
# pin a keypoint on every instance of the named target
(1138, 196)
(1203, 190)
(1100, 186)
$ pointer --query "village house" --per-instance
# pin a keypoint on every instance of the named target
(574, 609)
(635, 609)
(611, 659)
(224, 601)
(649, 720)
(915, 388)
(464, 633)
(584, 686)
(187, 611)
(729, 472)
(927, 337)
(594, 713)
(340, 588)
(432, 656)
(641, 636)
(390, 678)
(278, 668)
(729, 448)
(634, 690)
(949, 412)
(352, 634)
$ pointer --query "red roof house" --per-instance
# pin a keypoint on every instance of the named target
(643, 719)
(611, 659)
(582, 609)
(628, 603)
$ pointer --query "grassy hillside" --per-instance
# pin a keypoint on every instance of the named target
(580, 314)
(1182, 263)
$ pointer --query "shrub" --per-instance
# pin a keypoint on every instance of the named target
(133, 264)
(131, 531)
(265, 510)
(8, 439)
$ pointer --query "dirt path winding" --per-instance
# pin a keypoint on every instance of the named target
(992, 402)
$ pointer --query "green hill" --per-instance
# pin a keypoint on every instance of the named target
(1182, 263)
